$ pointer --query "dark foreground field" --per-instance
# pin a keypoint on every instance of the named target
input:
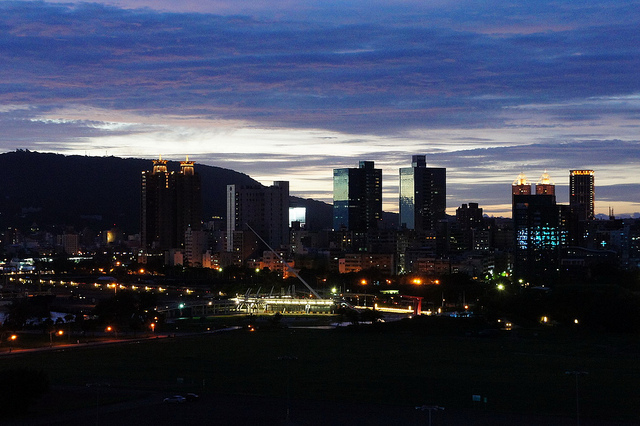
(354, 377)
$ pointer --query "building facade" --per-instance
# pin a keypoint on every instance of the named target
(582, 194)
(423, 196)
(188, 201)
(520, 186)
(357, 198)
(157, 208)
(545, 185)
(170, 203)
(263, 209)
(539, 230)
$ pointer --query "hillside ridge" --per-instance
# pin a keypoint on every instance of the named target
(48, 189)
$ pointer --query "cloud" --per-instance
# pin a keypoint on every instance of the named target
(294, 89)
(375, 77)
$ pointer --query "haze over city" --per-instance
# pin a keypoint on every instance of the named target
(291, 90)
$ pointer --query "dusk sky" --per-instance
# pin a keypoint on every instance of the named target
(289, 90)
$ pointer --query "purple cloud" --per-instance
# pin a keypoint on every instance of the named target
(358, 78)
(399, 77)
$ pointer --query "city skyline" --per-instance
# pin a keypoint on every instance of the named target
(291, 91)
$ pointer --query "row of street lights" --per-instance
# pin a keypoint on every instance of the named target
(59, 333)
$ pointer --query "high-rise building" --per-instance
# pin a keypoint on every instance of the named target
(537, 237)
(170, 203)
(545, 186)
(264, 209)
(469, 216)
(582, 194)
(423, 196)
(188, 200)
(539, 229)
(521, 186)
(473, 234)
(157, 208)
(195, 244)
(357, 198)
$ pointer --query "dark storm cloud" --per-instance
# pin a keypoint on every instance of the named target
(374, 77)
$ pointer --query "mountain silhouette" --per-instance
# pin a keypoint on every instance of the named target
(55, 190)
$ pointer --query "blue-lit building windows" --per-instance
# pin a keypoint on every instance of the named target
(539, 232)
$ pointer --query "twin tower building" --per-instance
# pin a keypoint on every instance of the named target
(171, 214)
(357, 196)
(171, 203)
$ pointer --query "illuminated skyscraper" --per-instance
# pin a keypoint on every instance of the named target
(545, 186)
(357, 198)
(582, 194)
(170, 203)
(536, 221)
(423, 195)
(188, 200)
(539, 230)
(157, 207)
(521, 186)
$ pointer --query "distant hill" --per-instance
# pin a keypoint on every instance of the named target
(100, 192)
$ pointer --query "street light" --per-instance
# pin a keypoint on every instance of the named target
(430, 408)
(577, 373)
(109, 329)
(11, 340)
(58, 332)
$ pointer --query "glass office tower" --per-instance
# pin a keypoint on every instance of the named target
(423, 195)
(357, 198)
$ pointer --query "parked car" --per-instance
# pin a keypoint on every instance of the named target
(192, 397)
(175, 399)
